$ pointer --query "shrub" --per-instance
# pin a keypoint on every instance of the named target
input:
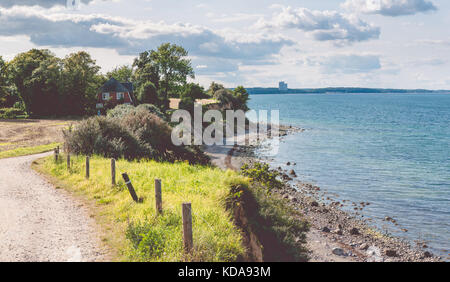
(152, 109)
(121, 111)
(10, 113)
(137, 135)
(150, 131)
(261, 173)
(102, 136)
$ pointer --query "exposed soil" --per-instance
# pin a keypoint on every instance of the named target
(30, 132)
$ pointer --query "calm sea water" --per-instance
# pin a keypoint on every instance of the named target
(392, 150)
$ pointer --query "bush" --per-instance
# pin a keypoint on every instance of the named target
(121, 111)
(152, 109)
(261, 173)
(153, 133)
(11, 113)
(136, 135)
(102, 136)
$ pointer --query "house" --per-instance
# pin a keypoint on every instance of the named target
(114, 93)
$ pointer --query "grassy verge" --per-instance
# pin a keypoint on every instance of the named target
(28, 150)
(134, 231)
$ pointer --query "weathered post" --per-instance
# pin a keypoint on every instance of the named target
(68, 161)
(187, 227)
(56, 155)
(130, 187)
(113, 172)
(158, 196)
(87, 167)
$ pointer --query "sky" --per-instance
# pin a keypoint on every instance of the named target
(255, 43)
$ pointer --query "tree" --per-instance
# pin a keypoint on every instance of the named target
(145, 70)
(3, 83)
(81, 81)
(43, 85)
(242, 96)
(226, 99)
(147, 94)
(169, 65)
(193, 90)
(122, 74)
(21, 70)
(214, 87)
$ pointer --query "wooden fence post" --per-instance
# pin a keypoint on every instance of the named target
(68, 161)
(187, 227)
(56, 155)
(158, 196)
(113, 172)
(130, 187)
(87, 167)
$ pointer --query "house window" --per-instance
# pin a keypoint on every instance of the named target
(105, 96)
(120, 95)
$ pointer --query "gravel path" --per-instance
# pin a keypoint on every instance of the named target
(39, 222)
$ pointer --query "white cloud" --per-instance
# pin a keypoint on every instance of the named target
(391, 8)
(322, 25)
(41, 3)
(348, 63)
(130, 37)
(433, 42)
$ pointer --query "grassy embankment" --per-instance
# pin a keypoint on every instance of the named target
(24, 151)
(134, 231)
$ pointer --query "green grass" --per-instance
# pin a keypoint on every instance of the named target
(134, 231)
(28, 150)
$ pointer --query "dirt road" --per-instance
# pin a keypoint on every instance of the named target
(39, 222)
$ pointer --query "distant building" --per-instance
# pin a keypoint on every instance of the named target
(282, 86)
(114, 93)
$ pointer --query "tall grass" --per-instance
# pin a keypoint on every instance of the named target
(24, 151)
(134, 230)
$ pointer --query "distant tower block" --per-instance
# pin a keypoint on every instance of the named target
(282, 86)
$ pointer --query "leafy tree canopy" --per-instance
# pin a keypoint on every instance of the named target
(122, 74)
(194, 91)
(81, 79)
(167, 68)
(21, 70)
(147, 94)
(214, 87)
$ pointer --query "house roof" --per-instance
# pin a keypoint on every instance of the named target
(129, 86)
(113, 85)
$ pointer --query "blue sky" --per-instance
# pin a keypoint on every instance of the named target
(310, 43)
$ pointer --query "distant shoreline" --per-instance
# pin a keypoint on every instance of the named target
(340, 90)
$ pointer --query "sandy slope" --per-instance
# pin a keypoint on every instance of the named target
(39, 222)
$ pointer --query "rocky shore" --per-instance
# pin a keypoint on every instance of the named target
(335, 235)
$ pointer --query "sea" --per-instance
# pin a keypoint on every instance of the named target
(391, 150)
